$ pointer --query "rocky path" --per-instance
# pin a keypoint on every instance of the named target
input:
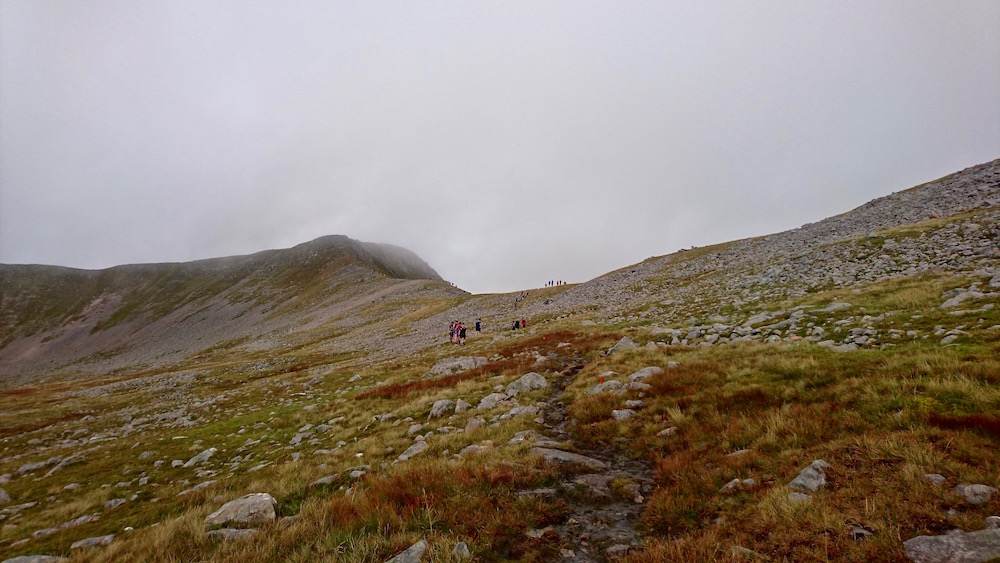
(605, 502)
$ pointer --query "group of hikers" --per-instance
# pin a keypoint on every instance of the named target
(457, 331)
(553, 283)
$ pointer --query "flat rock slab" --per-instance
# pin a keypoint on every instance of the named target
(413, 554)
(255, 508)
(957, 546)
(35, 559)
(559, 456)
(415, 449)
(93, 542)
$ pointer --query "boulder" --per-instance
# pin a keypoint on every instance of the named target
(983, 545)
(4, 497)
(450, 366)
(622, 414)
(526, 383)
(413, 554)
(200, 458)
(255, 508)
(461, 406)
(491, 401)
(441, 408)
(35, 559)
(610, 386)
(810, 479)
(624, 344)
(644, 373)
(415, 449)
(978, 495)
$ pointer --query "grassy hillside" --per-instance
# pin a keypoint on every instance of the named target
(872, 358)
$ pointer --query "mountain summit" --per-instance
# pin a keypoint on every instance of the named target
(143, 314)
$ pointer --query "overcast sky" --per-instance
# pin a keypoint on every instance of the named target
(507, 143)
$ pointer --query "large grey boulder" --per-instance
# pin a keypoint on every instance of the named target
(810, 479)
(561, 457)
(624, 344)
(255, 508)
(527, 382)
(413, 554)
(978, 495)
(441, 408)
(956, 546)
(449, 366)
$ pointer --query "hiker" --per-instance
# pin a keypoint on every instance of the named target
(479, 326)
(516, 325)
(461, 334)
(524, 323)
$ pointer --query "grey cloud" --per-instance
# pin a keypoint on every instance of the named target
(505, 143)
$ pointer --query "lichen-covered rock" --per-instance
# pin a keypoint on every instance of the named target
(810, 479)
(255, 508)
(624, 344)
(978, 495)
(441, 408)
(93, 542)
(957, 546)
(449, 366)
(413, 554)
(526, 383)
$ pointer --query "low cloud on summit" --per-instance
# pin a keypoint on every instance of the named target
(506, 143)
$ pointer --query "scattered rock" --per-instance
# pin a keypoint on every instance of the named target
(983, 545)
(255, 508)
(413, 554)
(992, 522)
(200, 458)
(624, 344)
(450, 366)
(810, 479)
(114, 503)
(667, 431)
(441, 408)
(859, 533)
(461, 551)
(35, 559)
(561, 457)
(461, 406)
(935, 478)
(416, 448)
(490, 401)
(93, 542)
(4, 497)
(978, 495)
(610, 386)
(645, 373)
(622, 414)
(526, 383)
(323, 481)
(473, 424)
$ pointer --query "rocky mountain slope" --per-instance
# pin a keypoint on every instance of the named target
(827, 393)
(55, 319)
